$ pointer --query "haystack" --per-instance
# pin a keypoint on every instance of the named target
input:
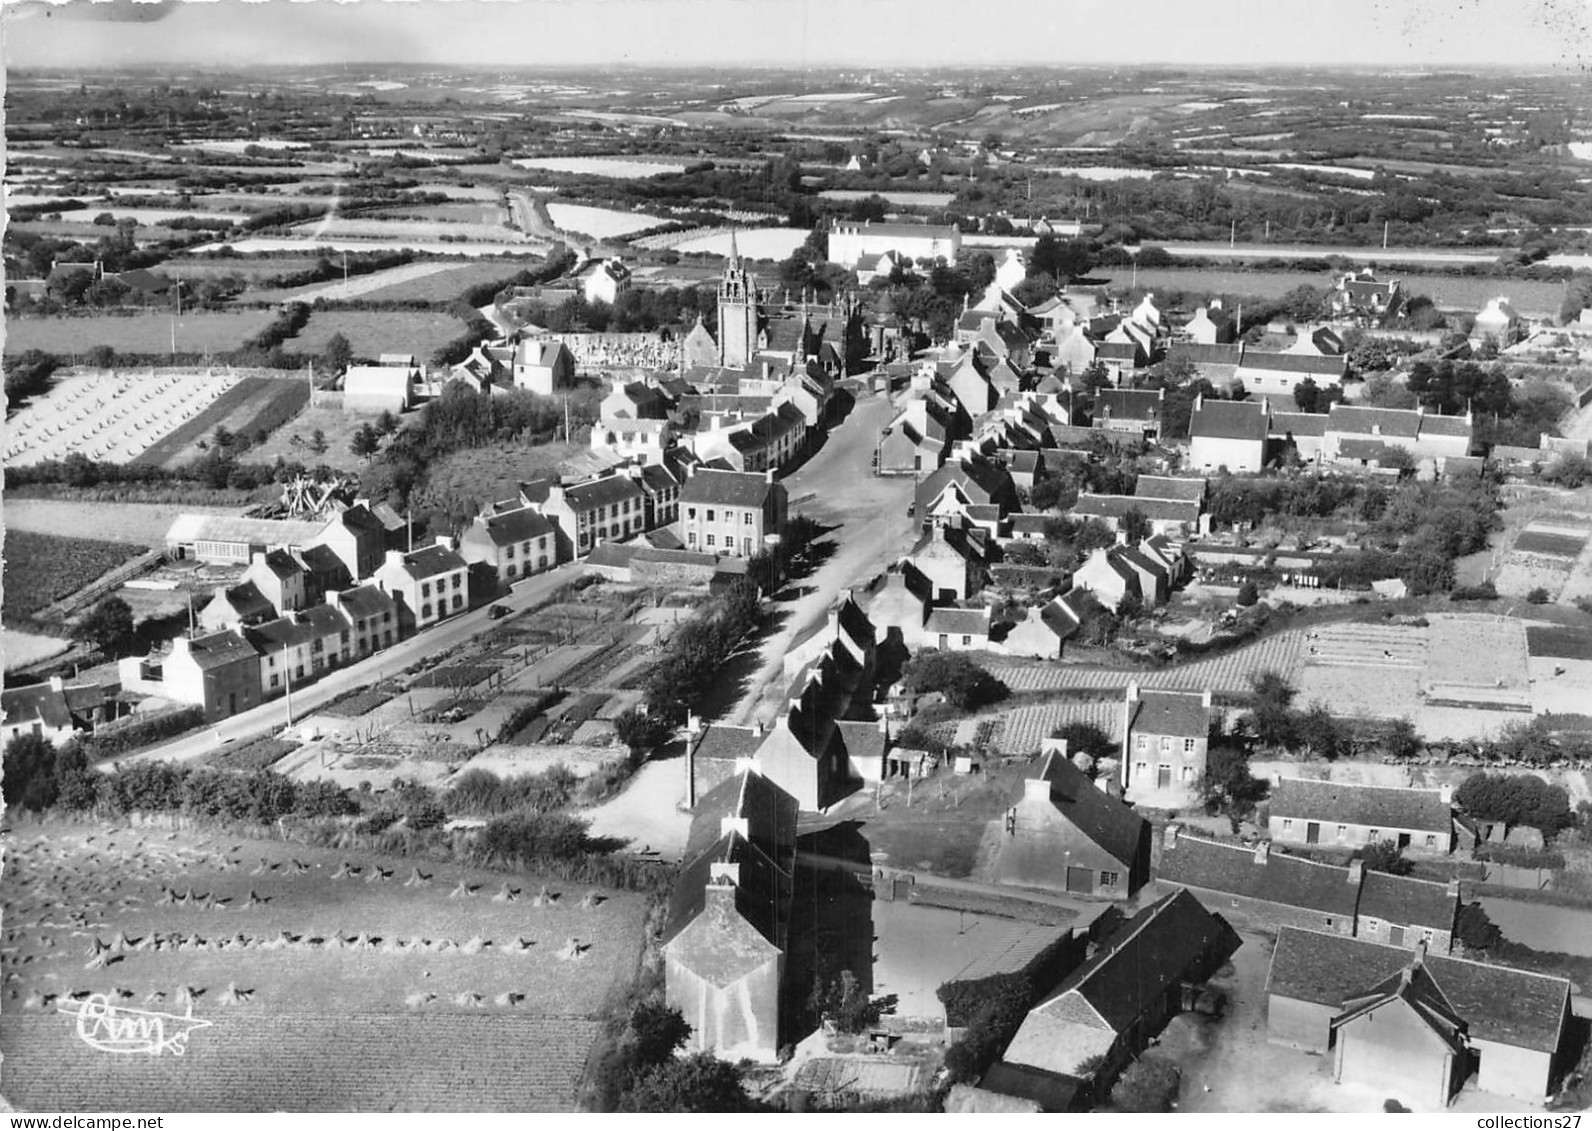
(468, 998)
(333, 941)
(298, 866)
(187, 995)
(592, 899)
(417, 879)
(461, 890)
(121, 943)
(445, 946)
(345, 869)
(234, 996)
(96, 947)
(255, 900)
(508, 998)
(506, 894)
(415, 1001)
(417, 944)
(474, 945)
(393, 946)
(572, 949)
(363, 941)
(378, 875)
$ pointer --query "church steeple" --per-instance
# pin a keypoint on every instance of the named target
(735, 253)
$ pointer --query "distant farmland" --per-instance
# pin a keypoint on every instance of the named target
(375, 332)
(43, 568)
(430, 281)
(1452, 292)
(136, 334)
(254, 404)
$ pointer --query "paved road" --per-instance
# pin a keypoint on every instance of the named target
(270, 716)
(531, 215)
(837, 486)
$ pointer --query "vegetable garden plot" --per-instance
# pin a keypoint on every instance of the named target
(1554, 543)
(1556, 642)
(454, 676)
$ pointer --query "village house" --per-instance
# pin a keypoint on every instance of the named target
(1497, 320)
(898, 602)
(232, 606)
(605, 281)
(281, 580)
(958, 630)
(1358, 295)
(642, 440)
(428, 584)
(1073, 350)
(218, 672)
(1138, 411)
(1165, 736)
(727, 933)
(1172, 518)
(1069, 833)
(1045, 629)
(1417, 1026)
(225, 540)
(1210, 326)
(635, 400)
(50, 710)
(952, 559)
(609, 508)
(512, 544)
(372, 617)
(1299, 432)
(1228, 435)
(1107, 1010)
(918, 438)
(543, 366)
(1111, 581)
(1270, 889)
(1360, 436)
(731, 512)
(1339, 814)
(358, 538)
(1278, 374)
(971, 481)
(1120, 360)
(1216, 363)
(299, 647)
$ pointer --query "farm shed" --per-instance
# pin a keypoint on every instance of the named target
(378, 388)
(1506, 1025)
(224, 540)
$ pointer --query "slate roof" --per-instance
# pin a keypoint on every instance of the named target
(1128, 404)
(958, 622)
(1228, 420)
(725, 950)
(1361, 449)
(602, 492)
(1104, 819)
(1401, 422)
(1175, 713)
(188, 528)
(1231, 869)
(1119, 351)
(1229, 354)
(321, 559)
(247, 601)
(727, 743)
(1445, 425)
(510, 527)
(1030, 523)
(1136, 965)
(1379, 807)
(220, 649)
(1052, 1091)
(366, 601)
(1498, 1004)
(611, 555)
(727, 488)
(38, 701)
(429, 561)
(1400, 899)
(1170, 487)
(1156, 510)
(1308, 363)
(1298, 424)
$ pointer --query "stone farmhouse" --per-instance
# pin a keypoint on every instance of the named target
(1338, 814)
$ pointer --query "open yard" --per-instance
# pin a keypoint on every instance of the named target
(43, 568)
(136, 334)
(337, 425)
(372, 333)
(315, 980)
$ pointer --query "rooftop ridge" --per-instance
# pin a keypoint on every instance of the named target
(1238, 846)
(1366, 785)
(1430, 958)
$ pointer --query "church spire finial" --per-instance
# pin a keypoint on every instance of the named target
(735, 254)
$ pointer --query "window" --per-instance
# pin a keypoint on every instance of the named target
(690, 512)
(1188, 773)
(318, 646)
(1343, 831)
(458, 600)
(1108, 879)
(1431, 840)
(1287, 824)
(1188, 746)
(746, 519)
(1139, 769)
(1329, 920)
(344, 637)
(711, 540)
(967, 641)
(710, 515)
(276, 681)
(513, 569)
(510, 551)
(425, 610)
(1143, 743)
(690, 538)
(1166, 745)
(1374, 834)
(425, 588)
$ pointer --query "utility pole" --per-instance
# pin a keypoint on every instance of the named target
(1232, 233)
(287, 676)
(1384, 234)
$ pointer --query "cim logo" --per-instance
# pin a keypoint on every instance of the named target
(112, 1028)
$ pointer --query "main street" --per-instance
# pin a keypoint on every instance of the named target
(273, 715)
(836, 487)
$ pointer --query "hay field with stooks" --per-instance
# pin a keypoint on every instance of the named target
(331, 980)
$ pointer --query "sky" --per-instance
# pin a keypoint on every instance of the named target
(1527, 34)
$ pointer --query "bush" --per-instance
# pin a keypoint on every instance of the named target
(1486, 591)
(965, 684)
(111, 742)
(1150, 1084)
(1248, 594)
(523, 840)
(1538, 596)
(481, 793)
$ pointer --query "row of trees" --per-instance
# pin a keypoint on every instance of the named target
(692, 665)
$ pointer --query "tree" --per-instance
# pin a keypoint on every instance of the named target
(386, 423)
(1306, 394)
(844, 1001)
(1475, 929)
(1150, 1084)
(641, 732)
(110, 627)
(1385, 856)
(1135, 526)
(1399, 740)
(318, 443)
(338, 353)
(1248, 594)
(1271, 699)
(699, 1083)
(1539, 596)
(1086, 738)
(29, 772)
(100, 357)
(654, 1033)
(965, 684)
(1319, 732)
(365, 442)
(1396, 457)
(1227, 785)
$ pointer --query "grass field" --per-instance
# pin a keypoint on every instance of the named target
(136, 334)
(330, 980)
(142, 526)
(375, 332)
(42, 568)
(432, 281)
(1452, 292)
(251, 404)
(487, 474)
(244, 267)
(338, 426)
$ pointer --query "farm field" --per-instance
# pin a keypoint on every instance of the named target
(1451, 292)
(141, 525)
(330, 979)
(602, 223)
(244, 267)
(621, 168)
(20, 649)
(1282, 653)
(338, 425)
(137, 333)
(360, 228)
(42, 568)
(752, 243)
(905, 197)
(462, 212)
(1392, 255)
(254, 404)
(375, 332)
(276, 245)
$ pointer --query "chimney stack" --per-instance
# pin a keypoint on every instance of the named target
(1169, 838)
(1356, 872)
(1262, 852)
(1446, 794)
